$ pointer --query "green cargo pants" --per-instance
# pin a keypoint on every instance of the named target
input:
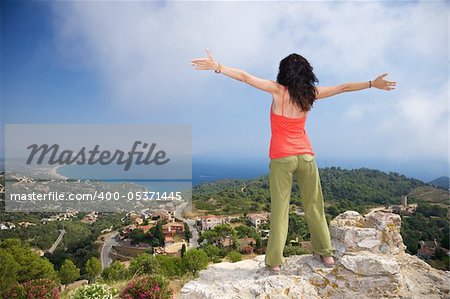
(304, 168)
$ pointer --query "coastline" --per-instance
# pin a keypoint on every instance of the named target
(54, 172)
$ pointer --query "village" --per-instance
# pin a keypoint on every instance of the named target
(178, 232)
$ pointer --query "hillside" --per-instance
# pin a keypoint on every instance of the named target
(441, 182)
(356, 189)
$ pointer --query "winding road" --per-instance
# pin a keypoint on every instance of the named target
(178, 214)
(110, 241)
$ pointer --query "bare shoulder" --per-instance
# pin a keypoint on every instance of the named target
(278, 89)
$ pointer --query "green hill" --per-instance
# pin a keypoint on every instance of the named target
(345, 189)
(441, 182)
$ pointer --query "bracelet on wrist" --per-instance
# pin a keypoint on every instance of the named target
(218, 71)
(370, 84)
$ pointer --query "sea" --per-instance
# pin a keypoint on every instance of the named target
(203, 171)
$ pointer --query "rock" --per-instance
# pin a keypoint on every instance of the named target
(379, 232)
(371, 264)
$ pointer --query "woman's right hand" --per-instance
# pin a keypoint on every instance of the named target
(206, 63)
(380, 83)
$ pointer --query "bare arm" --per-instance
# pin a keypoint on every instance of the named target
(210, 64)
(379, 82)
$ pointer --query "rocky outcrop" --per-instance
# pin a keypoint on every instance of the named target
(370, 263)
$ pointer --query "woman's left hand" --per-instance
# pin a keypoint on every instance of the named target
(381, 83)
(207, 63)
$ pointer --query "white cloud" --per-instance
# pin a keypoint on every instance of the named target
(141, 52)
(418, 126)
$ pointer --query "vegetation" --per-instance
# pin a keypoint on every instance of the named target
(355, 189)
(68, 272)
(293, 250)
(116, 271)
(157, 235)
(36, 288)
(148, 287)
(95, 291)
(234, 256)
(93, 268)
(218, 235)
(195, 260)
(442, 182)
(77, 254)
(20, 264)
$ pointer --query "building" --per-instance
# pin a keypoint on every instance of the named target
(404, 201)
(427, 249)
(256, 219)
(208, 222)
(161, 215)
(146, 228)
(227, 242)
(173, 228)
(404, 210)
(138, 221)
(7, 225)
(90, 217)
(247, 241)
(168, 240)
(25, 224)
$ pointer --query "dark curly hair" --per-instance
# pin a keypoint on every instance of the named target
(297, 75)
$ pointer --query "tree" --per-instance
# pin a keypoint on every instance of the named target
(116, 271)
(170, 266)
(157, 235)
(93, 268)
(187, 232)
(183, 249)
(8, 270)
(195, 260)
(16, 256)
(137, 235)
(144, 263)
(68, 272)
(212, 251)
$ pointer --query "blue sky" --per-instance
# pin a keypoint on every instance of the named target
(129, 63)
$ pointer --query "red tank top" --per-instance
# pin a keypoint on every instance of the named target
(289, 136)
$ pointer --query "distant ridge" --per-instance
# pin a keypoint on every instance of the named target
(441, 182)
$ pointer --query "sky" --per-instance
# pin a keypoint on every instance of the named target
(128, 62)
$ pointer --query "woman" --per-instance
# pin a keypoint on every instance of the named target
(291, 153)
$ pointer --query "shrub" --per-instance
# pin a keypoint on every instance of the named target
(294, 250)
(170, 266)
(20, 264)
(116, 271)
(95, 291)
(37, 289)
(195, 260)
(212, 250)
(93, 268)
(68, 272)
(234, 256)
(144, 263)
(147, 287)
(216, 259)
